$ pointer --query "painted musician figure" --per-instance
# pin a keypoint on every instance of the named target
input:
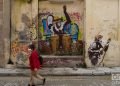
(95, 50)
(59, 26)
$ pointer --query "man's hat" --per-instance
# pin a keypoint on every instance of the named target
(98, 36)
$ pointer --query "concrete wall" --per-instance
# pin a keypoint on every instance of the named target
(102, 17)
(23, 16)
(1, 35)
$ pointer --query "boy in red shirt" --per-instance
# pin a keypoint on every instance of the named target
(34, 65)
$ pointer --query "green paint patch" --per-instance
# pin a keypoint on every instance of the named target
(79, 36)
(42, 33)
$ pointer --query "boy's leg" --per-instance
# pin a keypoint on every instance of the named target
(31, 79)
(37, 75)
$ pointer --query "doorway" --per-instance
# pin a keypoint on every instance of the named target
(61, 32)
(61, 26)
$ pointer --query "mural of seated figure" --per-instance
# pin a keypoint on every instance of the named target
(62, 30)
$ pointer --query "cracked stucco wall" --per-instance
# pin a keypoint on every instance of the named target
(102, 17)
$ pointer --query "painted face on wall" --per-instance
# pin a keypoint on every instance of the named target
(50, 19)
(58, 23)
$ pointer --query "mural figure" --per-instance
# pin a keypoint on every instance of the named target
(54, 28)
(97, 49)
(69, 27)
(60, 33)
(58, 30)
(58, 26)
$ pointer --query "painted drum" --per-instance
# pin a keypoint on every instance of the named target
(66, 42)
(54, 43)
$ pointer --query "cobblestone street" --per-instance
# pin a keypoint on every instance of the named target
(61, 81)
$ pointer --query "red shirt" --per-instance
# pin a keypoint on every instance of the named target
(34, 61)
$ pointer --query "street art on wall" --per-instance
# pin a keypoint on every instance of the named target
(23, 30)
(60, 34)
(97, 50)
(19, 52)
(25, 34)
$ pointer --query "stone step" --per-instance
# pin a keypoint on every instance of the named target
(63, 71)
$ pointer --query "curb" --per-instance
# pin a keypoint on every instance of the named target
(61, 72)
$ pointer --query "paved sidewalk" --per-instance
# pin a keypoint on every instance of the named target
(63, 71)
(60, 81)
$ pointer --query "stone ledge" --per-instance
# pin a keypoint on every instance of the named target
(65, 56)
(60, 71)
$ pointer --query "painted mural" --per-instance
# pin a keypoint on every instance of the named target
(61, 30)
(97, 50)
(58, 32)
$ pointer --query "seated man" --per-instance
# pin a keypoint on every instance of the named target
(95, 50)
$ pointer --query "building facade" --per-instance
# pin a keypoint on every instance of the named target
(62, 30)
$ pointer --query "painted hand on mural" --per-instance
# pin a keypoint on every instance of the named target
(64, 8)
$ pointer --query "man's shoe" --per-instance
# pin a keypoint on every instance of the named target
(44, 80)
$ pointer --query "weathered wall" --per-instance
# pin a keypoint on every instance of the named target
(102, 17)
(1, 35)
(24, 18)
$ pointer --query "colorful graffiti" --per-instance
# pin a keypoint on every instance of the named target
(57, 33)
(76, 16)
(19, 51)
(61, 33)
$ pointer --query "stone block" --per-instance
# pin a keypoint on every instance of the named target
(98, 72)
(105, 69)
